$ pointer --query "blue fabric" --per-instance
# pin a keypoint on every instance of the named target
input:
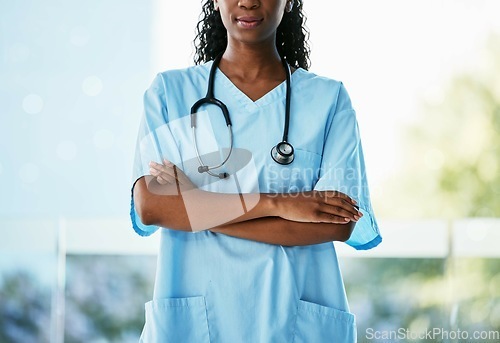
(215, 288)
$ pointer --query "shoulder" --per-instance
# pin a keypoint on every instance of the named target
(326, 88)
(310, 76)
(165, 82)
(192, 74)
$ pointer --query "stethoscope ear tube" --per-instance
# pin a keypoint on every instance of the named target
(216, 102)
(282, 153)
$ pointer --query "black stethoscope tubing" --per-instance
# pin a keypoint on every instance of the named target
(282, 153)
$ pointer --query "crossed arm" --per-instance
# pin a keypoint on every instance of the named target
(302, 219)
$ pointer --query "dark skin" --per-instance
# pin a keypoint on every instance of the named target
(251, 61)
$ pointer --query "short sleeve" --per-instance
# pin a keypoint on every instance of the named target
(154, 143)
(343, 169)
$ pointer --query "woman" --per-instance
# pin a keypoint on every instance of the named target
(246, 249)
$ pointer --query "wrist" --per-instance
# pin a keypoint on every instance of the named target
(272, 205)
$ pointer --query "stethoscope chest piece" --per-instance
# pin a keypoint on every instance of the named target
(282, 153)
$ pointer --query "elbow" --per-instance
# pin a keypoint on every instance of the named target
(142, 201)
(145, 215)
(153, 210)
(346, 231)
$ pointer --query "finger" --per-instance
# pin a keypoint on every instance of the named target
(167, 163)
(154, 172)
(344, 204)
(340, 212)
(333, 219)
(163, 169)
(161, 180)
(337, 194)
(159, 169)
(154, 166)
(170, 172)
(160, 166)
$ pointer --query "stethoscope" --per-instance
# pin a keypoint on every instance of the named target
(282, 153)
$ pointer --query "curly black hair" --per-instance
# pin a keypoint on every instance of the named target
(291, 37)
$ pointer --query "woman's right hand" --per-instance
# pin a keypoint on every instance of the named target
(169, 174)
(318, 207)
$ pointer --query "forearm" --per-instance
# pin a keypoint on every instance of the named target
(182, 206)
(182, 209)
(275, 230)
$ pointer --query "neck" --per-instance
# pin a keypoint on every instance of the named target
(251, 61)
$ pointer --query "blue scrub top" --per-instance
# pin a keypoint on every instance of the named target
(215, 288)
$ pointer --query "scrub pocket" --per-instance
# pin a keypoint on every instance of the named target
(175, 320)
(321, 324)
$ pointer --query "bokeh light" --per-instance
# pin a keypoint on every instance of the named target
(32, 104)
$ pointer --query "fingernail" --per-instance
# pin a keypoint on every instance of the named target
(353, 201)
(356, 217)
(346, 219)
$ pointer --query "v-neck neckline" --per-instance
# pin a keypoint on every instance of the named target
(276, 93)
